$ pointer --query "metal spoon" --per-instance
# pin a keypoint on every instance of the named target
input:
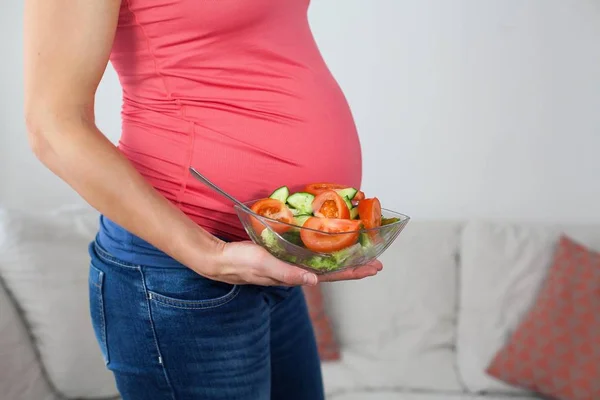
(217, 189)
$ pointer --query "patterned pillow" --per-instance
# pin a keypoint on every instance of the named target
(328, 347)
(555, 350)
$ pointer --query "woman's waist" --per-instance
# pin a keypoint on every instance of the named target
(115, 241)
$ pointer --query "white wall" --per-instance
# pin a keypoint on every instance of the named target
(483, 108)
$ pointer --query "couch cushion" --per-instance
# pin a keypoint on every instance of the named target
(21, 375)
(556, 348)
(502, 267)
(44, 263)
(397, 329)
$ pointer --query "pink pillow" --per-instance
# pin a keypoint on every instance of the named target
(555, 350)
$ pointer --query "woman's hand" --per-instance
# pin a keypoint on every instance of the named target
(248, 263)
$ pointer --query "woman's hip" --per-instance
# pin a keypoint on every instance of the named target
(168, 332)
(174, 329)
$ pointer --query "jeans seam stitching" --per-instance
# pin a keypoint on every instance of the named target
(195, 305)
(152, 327)
(101, 311)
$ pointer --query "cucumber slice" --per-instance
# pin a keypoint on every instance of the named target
(354, 213)
(281, 194)
(348, 203)
(348, 192)
(344, 255)
(301, 219)
(302, 202)
(365, 240)
(295, 212)
(387, 221)
(368, 244)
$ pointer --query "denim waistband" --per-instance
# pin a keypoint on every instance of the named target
(127, 247)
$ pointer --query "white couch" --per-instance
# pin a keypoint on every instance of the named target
(424, 329)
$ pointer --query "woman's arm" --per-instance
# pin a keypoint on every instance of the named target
(67, 45)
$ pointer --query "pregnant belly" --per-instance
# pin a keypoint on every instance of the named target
(246, 156)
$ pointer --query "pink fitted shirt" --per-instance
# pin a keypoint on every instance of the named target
(237, 89)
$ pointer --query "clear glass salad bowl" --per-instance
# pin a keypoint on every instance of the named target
(298, 245)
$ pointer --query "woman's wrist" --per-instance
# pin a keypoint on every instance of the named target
(197, 249)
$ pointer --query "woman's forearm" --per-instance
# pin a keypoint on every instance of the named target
(74, 149)
(62, 72)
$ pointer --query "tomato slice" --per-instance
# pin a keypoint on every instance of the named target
(275, 209)
(329, 204)
(336, 234)
(318, 188)
(360, 195)
(369, 212)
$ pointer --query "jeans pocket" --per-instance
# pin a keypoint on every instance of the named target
(97, 312)
(185, 289)
(194, 304)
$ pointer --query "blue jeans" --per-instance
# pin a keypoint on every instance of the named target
(168, 333)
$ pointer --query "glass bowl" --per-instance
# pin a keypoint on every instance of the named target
(285, 241)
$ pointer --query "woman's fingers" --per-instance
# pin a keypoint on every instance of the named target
(361, 272)
(262, 281)
(255, 265)
(247, 262)
(287, 274)
(349, 274)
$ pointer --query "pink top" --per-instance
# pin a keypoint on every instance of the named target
(237, 89)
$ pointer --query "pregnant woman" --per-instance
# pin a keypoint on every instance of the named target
(183, 305)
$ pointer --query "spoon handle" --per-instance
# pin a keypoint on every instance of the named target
(217, 189)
